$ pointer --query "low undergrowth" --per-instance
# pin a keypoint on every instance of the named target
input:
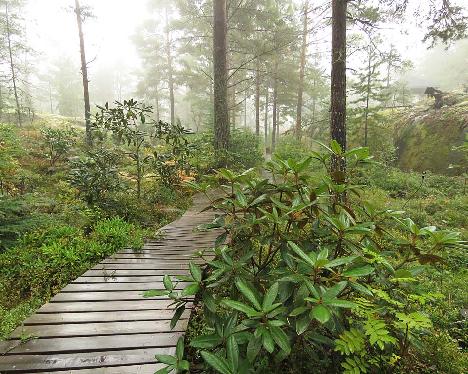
(308, 280)
(44, 261)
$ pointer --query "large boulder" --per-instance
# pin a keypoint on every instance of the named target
(425, 138)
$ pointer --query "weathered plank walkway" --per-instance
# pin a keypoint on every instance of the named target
(100, 323)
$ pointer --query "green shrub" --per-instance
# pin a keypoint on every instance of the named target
(304, 273)
(96, 175)
(289, 147)
(244, 152)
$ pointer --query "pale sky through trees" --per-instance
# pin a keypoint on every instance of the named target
(52, 33)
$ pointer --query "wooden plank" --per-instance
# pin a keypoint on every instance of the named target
(147, 266)
(93, 287)
(189, 256)
(88, 362)
(89, 317)
(104, 296)
(103, 306)
(160, 252)
(90, 343)
(132, 272)
(153, 261)
(131, 369)
(98, 328)
(118, 279)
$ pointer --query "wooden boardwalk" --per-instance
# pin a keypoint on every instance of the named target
(100, 323)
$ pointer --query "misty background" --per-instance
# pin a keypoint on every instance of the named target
(116, 67)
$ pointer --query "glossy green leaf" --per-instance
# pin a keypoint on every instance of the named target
(320, 313)
(247, 291)
(237, 305)
(280, 338)
(220, 364)
(359, 272)
(196, 272)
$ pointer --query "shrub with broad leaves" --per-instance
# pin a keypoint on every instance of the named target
(296, 267)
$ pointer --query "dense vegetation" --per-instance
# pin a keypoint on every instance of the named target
(339, 186)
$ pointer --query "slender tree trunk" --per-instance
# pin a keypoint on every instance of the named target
(257, 100)
(300, 91)
(275, 107)
(277, 123)
(170, 77)
(50, 99)
(368, 90)
(221, 116)
(12, 65)
(338, 86)
(266, 115)
(158, 117)
(84, 73)
(233, 106)
(245, 109)
(1, 103)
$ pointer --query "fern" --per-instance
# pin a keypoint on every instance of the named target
(378, 334)
(413, 321)
(351, 342)
(354, 365)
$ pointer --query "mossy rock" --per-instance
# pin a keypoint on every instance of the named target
(425, 139)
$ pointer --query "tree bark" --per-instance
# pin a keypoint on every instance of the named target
(338, 87)
(275, 106)
(170, 78)
(12, 65)
(257, 100)
(84, 73)
(157, 106)
(245, 109)
(368, 90)
(266, 114)
(300, 91)
(221, 116)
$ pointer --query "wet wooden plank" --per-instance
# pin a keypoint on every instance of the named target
(146, 266)
(104, 306)
(152, 261)
(86, 362)
(119, 279)
(98, 328)
(90, 343)
(106, 287)
(105, 296)
(90, 317)
(133, 272)
(131, 369)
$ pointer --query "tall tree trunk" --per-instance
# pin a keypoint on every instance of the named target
(170, 77)
(233, 108)
(221, 116)
(338, 87)
(275, 106)
(257, 100)
(12, 65)
(50, 99)
(300, 91)
(245, 109)
(266, 115)
(84, 73)
(277, 123)
(368, 90)
(158, 117)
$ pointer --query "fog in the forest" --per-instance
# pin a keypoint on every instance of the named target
(126, 52)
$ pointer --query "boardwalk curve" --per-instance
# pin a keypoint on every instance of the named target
(100, 323)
